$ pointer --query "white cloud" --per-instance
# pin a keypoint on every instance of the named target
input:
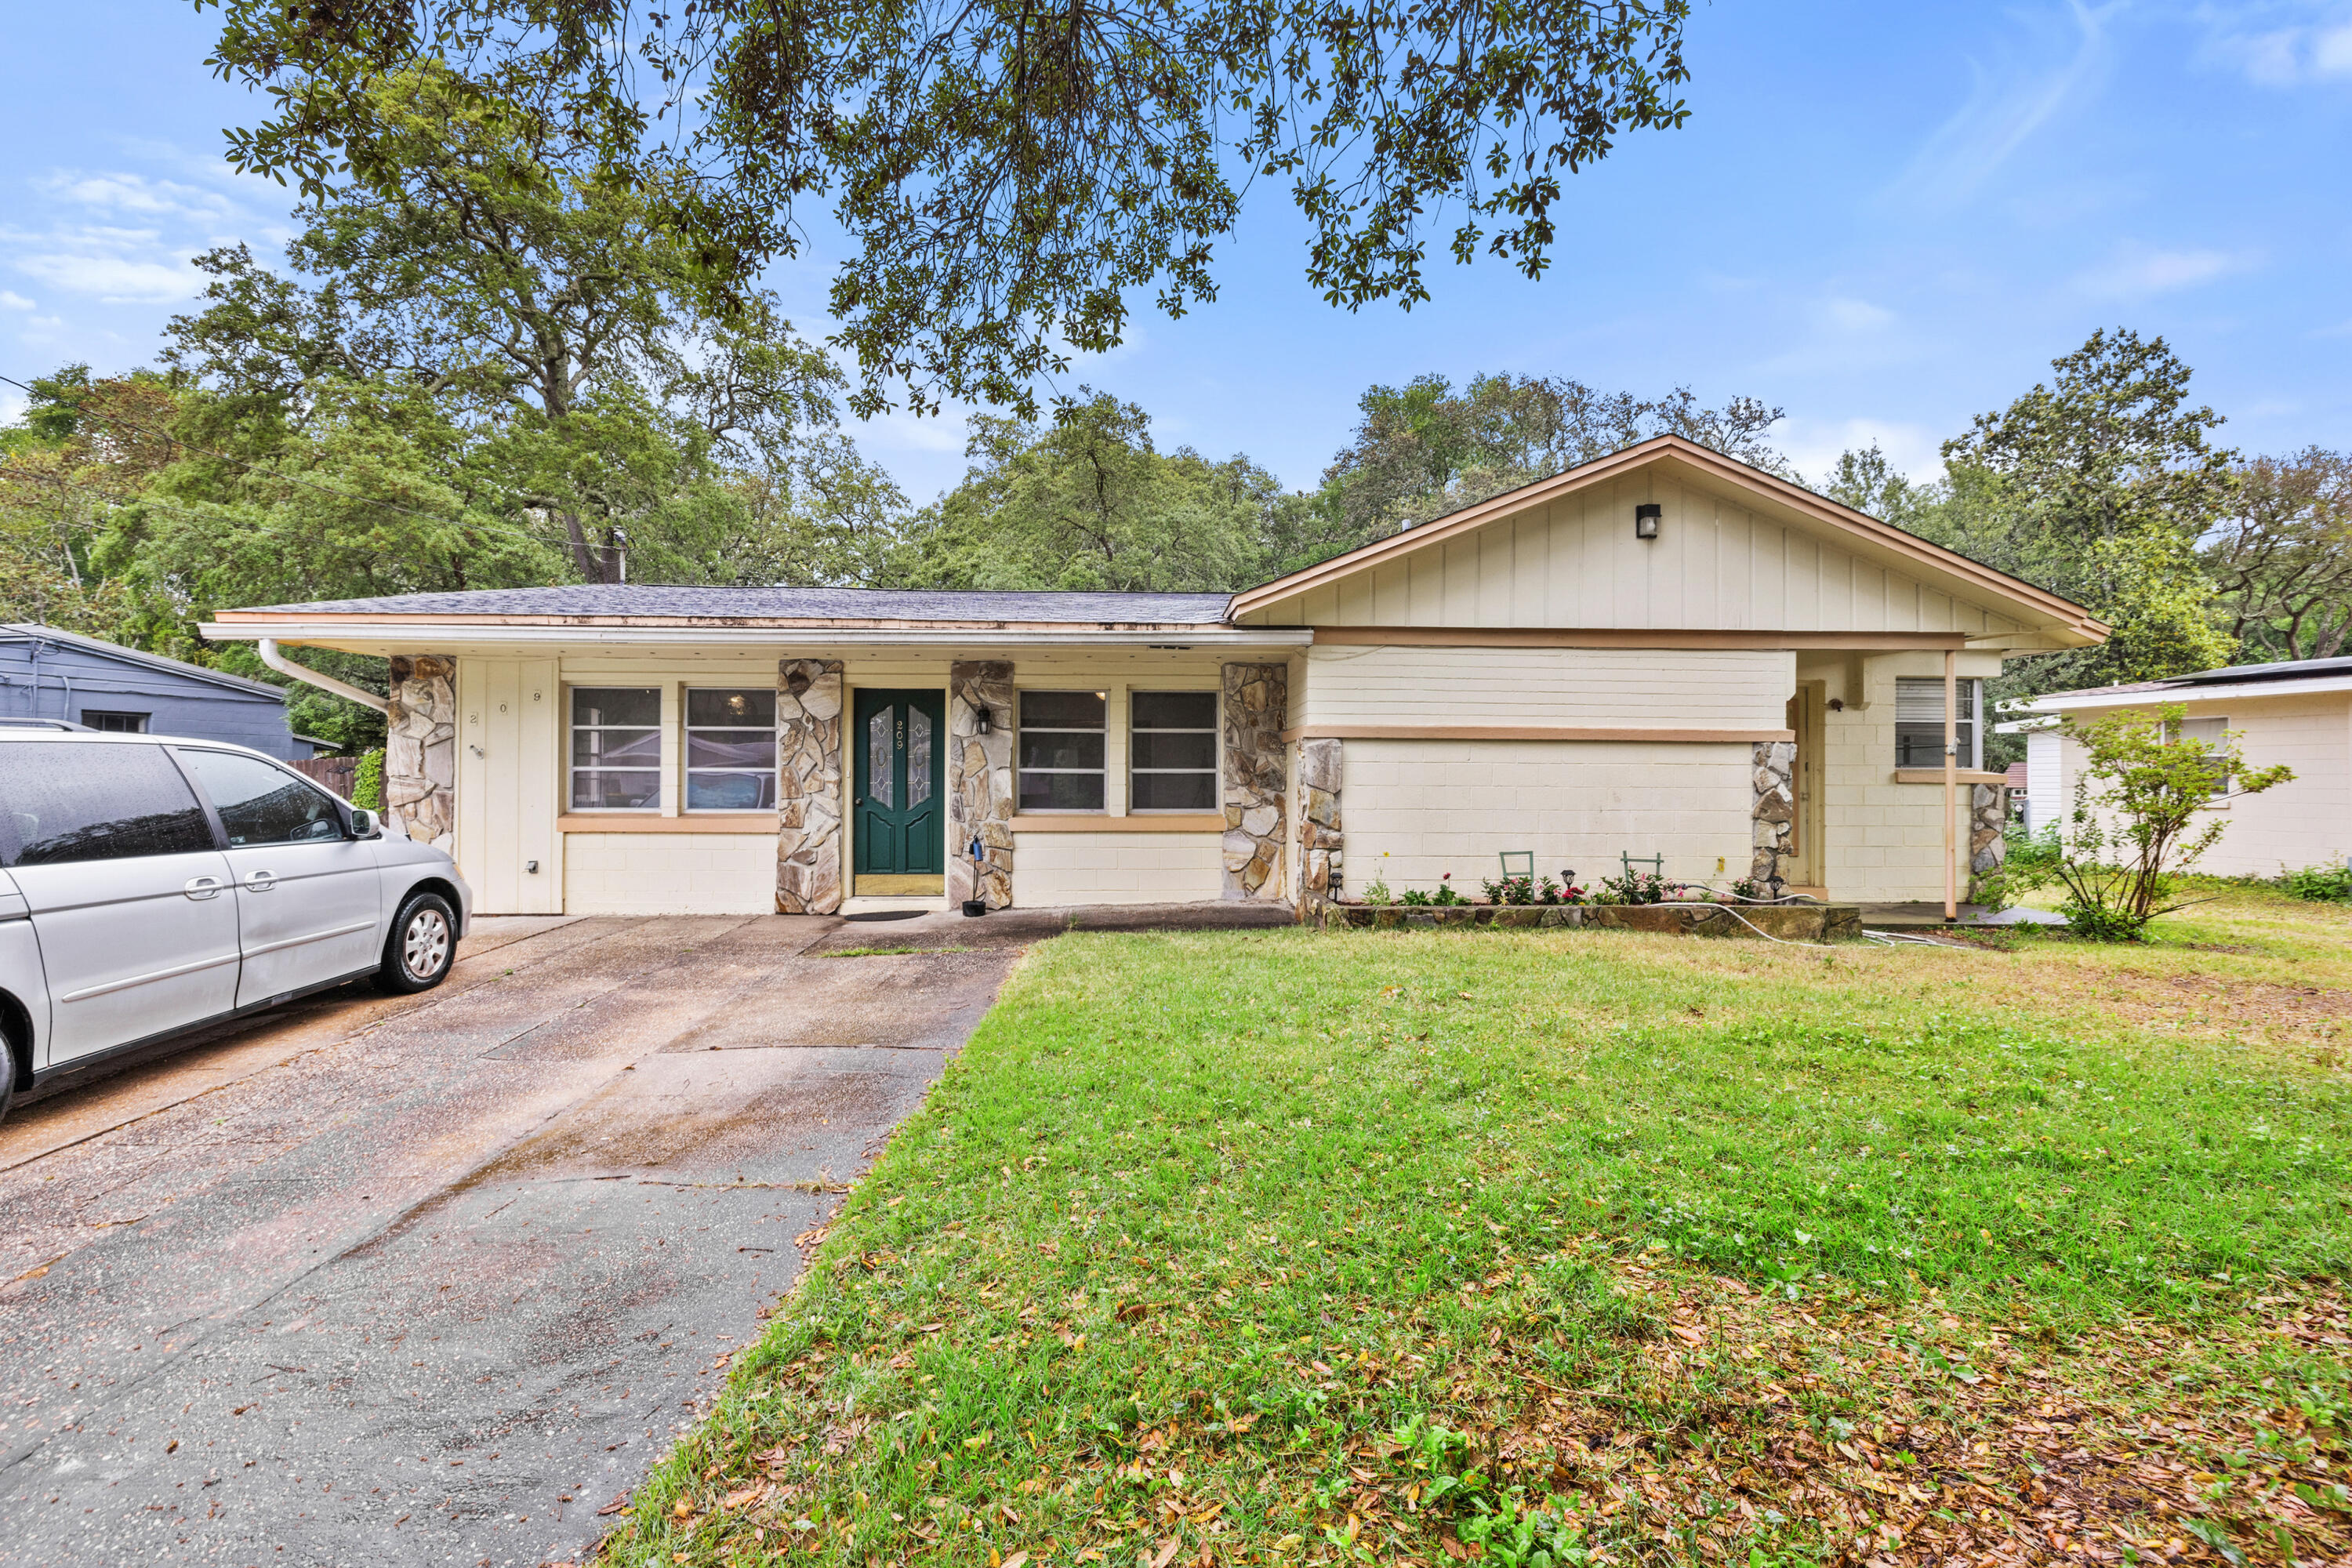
(126, 193)
(1855, 315)
(2291, 56)
(114, 279)
(13, 301)
(2138, 273)
(1814, 445)
(2009, 103)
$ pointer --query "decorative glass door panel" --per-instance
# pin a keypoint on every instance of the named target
(898, 818)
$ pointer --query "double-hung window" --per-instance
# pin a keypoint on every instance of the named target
(2215, 734)
(1060, 750)
(1919, 722)
(1171, 759)
(730, 751)
(615, 748)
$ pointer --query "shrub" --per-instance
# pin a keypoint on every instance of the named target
(367, 781)
(2320, 884)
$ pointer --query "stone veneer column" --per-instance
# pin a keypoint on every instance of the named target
(1774, 812)
(1988, 836)
(808, 786)
(979, 781)
(1320, 839)
(1257, 707)
(420, 747)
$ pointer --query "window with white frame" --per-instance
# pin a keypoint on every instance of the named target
(1919, 722)
(2215, 734)
(1060, 750)
(615, 748)
(1172, 753)
(730, 749)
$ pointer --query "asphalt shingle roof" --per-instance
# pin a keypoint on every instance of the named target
(986, 606)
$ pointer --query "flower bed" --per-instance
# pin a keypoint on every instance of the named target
(1789, 922)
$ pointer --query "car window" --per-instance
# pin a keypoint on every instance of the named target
(89, 801)
(259, 804)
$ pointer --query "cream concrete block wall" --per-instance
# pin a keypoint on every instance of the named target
(1883, 842)
(1051, 869)
(1666, 688)
(2305, 822)
(1418, 809)
(669, 873)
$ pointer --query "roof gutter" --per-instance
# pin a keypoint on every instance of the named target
(334, 632)
(327, 683)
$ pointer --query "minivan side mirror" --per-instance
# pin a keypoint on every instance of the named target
(364, 823)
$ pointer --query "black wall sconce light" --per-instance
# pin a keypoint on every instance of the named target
(1645, 520)
(980, 722)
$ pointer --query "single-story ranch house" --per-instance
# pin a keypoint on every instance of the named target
(2297, 711)
(1663, 653)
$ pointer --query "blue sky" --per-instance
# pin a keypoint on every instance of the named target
(1884, 218)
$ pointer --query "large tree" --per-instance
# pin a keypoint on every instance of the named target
(545, 315)
(2283, 557)
(1006, 175)
(1422, 451)
(1085, 499)
(85, 445)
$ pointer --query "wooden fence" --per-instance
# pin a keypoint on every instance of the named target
(335, 773)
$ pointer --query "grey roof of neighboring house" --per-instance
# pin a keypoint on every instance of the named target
(2230, 675)
(32, 631)
(794, 604)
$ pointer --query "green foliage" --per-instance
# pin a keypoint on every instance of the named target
(2134, 826)
(2319, 884)
(1005, 185)
(2283, 557)
(1422, 451)
(1086, 502)
(367, 781)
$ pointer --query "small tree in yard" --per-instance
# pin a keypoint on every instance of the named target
(2134, 828)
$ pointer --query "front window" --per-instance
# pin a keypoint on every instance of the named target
(1173, 750)
(1061, 750)
(615, 748)
(730, 751)
(1919, 722)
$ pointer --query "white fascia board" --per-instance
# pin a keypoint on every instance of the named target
(2063, 702)
(424, 634)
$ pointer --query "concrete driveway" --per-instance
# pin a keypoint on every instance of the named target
(432, 1279)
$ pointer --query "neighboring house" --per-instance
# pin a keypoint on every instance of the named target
(2018, 786)
(45, 673)
(1662, 653)
(2298, 712)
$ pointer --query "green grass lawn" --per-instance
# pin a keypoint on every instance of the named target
(1562, 1246)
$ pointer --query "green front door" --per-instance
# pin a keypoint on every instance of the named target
(899, 821)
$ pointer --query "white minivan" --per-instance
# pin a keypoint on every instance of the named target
(150, 886)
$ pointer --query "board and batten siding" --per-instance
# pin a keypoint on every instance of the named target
(509, 783)
(1574, 562)
(1665, 688)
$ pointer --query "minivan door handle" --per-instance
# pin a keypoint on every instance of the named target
(260, 882)
(202, 888)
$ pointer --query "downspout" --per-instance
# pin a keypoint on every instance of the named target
(308, 677)
(1951, 780)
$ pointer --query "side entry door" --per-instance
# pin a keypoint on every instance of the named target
(309, 909)
(129, 896)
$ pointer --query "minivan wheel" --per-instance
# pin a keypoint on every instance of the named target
(422, 946)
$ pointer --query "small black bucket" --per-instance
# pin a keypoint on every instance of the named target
(975, 908)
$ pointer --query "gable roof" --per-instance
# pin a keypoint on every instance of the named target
(32, 631)
(1769, 493)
